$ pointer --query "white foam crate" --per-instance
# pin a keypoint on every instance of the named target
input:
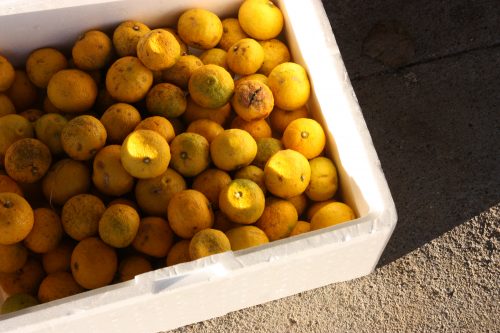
(175, 296)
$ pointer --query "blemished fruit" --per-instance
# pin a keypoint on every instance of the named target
(158, 49)
(135, 154)
(208, 242)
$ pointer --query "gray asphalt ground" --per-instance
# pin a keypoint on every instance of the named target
(435, 123)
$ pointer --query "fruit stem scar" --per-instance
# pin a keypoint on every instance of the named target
(146, 160)
(304, 134)
(7, 204)
(238, 194)
(34, 170)
(136, 27)
(184, 155)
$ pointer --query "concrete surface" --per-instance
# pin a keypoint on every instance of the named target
(435, 123)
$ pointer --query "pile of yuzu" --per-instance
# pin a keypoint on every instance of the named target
(148, 147)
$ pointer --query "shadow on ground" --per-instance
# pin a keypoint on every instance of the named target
(434, 122)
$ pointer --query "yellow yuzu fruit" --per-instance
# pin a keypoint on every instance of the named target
(13, 127)
(242, 200)
(58, 259)
(324, 180)
(27, 160)
(246, 236)
(253, 173)
(93, 263)
(119, 120)
(80, 216)
(65, 179)
(300, 228)
(306, 136)
(210, 182)
(48, 129)
(6, 105)
(145, 154)
(154, 237)
(16, 218)
(159, 124)
(233, 149)
(231, 33)
(7, 74)
(22, 92)
(43, 63)
(245, 57)
(190, 154)
(258, 128)
(278, 218)
(275, 52)
(12, 257)
(128, 80)
(266, 147)
(211, 86)
(82, 137)
(208, 242)
(290, 85)
(194, 112)
(58, 285)
(188, 212)
(167, 100)
(207, 128)
(153, 194)
(332, 214)
(118, 225)
(260, 19)
(179, 253)
(158, 49)
(92, 50)
(279, 118)
(46, 233)
(131, 266)
(126, 35)
(109, 176)
(287, 173)
(199, 28)
(72, 90)
(7, 184)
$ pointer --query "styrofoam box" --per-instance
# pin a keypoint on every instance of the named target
(213, 286)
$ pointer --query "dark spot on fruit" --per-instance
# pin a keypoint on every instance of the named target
(76, 266)
(79, 147)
